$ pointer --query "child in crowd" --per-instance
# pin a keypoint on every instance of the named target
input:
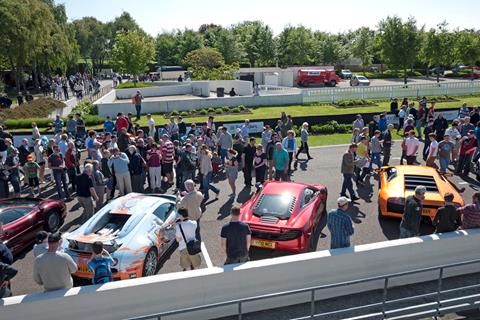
(31, 172)
(100, 264)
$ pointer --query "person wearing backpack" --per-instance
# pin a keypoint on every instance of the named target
(100, 264)
(187, 242)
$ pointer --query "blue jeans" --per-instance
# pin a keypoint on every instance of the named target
(418, 125)
(348, 185)
(60, 178)
(223, 154)
(375, 159)
(207, 184)
(444, 164)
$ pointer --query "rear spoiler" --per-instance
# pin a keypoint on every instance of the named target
(170, 197)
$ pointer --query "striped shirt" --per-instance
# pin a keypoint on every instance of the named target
(470, 216)
(341, 228)
(168, 152)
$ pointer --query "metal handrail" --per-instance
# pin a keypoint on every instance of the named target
(312, 290)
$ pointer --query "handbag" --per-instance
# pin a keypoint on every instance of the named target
(193, 246)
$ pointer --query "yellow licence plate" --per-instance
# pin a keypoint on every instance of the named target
(263, 244)
(83, 266)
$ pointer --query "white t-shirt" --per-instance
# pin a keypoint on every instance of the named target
(433, 149)
(189, 228)
(412, 144)
(151, 127)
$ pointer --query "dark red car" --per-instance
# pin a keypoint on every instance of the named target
(22, 218)
(285, 215)
(472, 75)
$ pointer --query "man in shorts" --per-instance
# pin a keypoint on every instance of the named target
(30, 170)
(184, 233)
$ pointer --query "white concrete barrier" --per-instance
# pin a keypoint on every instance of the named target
(167, 292)
(169, 90)
(242, 88)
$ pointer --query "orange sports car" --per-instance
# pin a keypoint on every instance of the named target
(396, 183)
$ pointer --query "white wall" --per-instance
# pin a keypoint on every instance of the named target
(166, 292)
(242, 88)
(170, 90)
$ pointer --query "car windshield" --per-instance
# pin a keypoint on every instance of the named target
(18, 203)
(361, 78)
(278, 205)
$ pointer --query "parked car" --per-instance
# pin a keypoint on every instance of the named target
(313, 76)
(285, 215)
(472, 75)
(345, 74)
(456, 69)
(436, 70)
(22, 218)
(129, 228)
(396, 183)
(359, 81)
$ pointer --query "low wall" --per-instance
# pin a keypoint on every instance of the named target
(242, 88)
(170, 90)
(136, 297)
(163, 106)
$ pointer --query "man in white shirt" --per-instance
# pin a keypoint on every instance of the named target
(151, 125)
(412, 145)
(184, 233)
(432, 150)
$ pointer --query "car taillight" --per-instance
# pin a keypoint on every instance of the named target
(398, 200)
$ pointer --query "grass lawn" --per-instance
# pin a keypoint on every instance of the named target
(308, 110)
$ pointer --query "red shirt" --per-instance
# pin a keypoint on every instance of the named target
(153, 158)
(121, 122)
(168, 152)
(70, 159)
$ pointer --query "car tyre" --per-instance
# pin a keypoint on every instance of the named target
(53, 221)
(333, 83)
(150, 263)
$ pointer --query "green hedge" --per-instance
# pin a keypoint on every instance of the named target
(90, 120)
(330, 127)
(359, 102)
(85, 107)
(129, 85)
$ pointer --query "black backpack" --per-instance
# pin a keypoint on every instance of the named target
(193, 246)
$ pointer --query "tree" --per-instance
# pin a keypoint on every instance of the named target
(329, 50)
(204, 58)
(132, 52)
(467, 48)
(295, 46)
(399, 43)
(224, 72)
(93, 40)
(362, 47)
(187, 41)
(437, 44)
(256, 40)
(226, 42)
(166, 49)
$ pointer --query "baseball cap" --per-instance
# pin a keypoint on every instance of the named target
(54, 237)
(343, 201)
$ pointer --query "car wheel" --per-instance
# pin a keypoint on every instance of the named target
(333, 83)
(150, 263)
(52, 221)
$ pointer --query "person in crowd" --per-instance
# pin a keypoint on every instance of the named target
(30, 170)
(185, 231)
(41, 243)
(260, 165)
(72, 164)
(470, 213)
(348, 171)
(387, 144)
(205, 159)
(225, 142)
(468, 145)
(35, 133)
(355, 136)
(447, 218)
(137, 98)
(475, 115)
(280, 162)
(270, 148)
(168, 157)
(190, 162)
(53, 269)
(412, 213)
(63, 144)
(382, 122)
(40, 159)
(412, 145)
(86, 193)
(247, 161)
(466, 127)
(358, 123)
(136, 166)
(121, 122)
(7, 273)
(100, 264)
(289, 143)
(80, 126)
(108, 125)
(363, 160)
(150, 125)
(99, 183)
(123, 140)
(12, 164)
(235, 238)
(211, 123)
(173, 130)
(426, 132)
(266, 136)
(56, 163)
(420, 119)
(394, 106)
(432, 150)
(71, 126)
(154, 164)
(439, 126)
(182, 128)
(454, 136)
(6, 255)
(445, 149)
(245, 130)
(57, 125)
(231, 170)
(464, 111)
(119, 161)
(376, 150)
(340, 224)
(401, 118)
(24, 151)
(304, 143)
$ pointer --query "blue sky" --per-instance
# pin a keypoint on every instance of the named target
(155, 16)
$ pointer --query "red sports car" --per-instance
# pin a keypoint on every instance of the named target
(285, 215)
(474, 75)
(22, 218)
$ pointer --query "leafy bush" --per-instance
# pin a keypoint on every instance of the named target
(129, 85)
(358, 102)
(193, 112)
(236, 110)
(218, 111)
(184, 113)
(27, 123)
(211, 110)
(242, 107)
(174, 113)
(226, 109)
(38, 108)
(93, 120)
(203, 112)
(85, 107)
(330, 128)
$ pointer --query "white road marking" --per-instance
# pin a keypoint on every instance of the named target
(205, 254)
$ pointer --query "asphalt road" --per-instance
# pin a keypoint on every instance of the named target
(398, 81)
(324, 169)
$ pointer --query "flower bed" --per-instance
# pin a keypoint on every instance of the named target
(209, 112)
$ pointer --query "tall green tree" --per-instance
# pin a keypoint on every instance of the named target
(295, 46)
(399, 43)
(226, 42)
(93, 39)
(166, 49)
(436, 47)
(205, 58)
(132, 52)
(328, 49)
(187, 40)
(256, 40)
(362, 46)
(467, 48)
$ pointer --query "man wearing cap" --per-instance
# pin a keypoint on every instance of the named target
(348, 171)
(468, 145)
(53, 269)
(340, 225)
(412, 213)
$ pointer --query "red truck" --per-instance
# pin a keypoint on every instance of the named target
(311, 76)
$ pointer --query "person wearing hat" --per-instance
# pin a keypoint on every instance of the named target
(340, 224)
(412, 213)
(30, 169)
(468, 145)
(53, 269)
